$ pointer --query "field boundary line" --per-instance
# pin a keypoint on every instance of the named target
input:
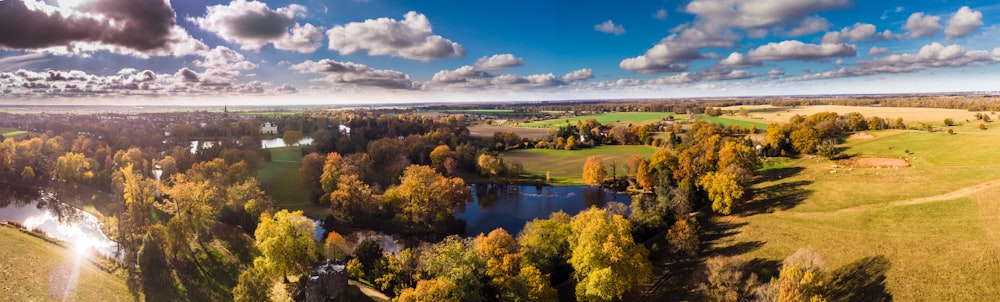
(942, 197)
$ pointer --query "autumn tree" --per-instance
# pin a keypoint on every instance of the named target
(607, 263)
(455, 260)
(426, 197)
(333, 167)
(285, 240)
(643, 176)
(433, 290)
(399, 272)
(723, 190)
(73, 167)
(683, 238)
(512, 280)
(334, 246)
(439, 156)
(310, 171)
(195, 205)
(801, 277)
(353, 200)
(727, 280)
(291, 137)
(739, 160)
(593, 171)
(253, 285)
(489, 165)
(805, 140)
(545, 242)
(775, 138)
(138, 195)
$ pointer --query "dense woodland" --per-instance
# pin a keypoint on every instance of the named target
(188, 235)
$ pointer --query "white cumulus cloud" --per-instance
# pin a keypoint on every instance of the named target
(609, 27)
(253, 24)
(963, 22)
(921, 26)
(410, 38)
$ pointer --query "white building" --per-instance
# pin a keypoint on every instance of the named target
(268, 128)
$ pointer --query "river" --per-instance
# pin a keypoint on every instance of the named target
(509, 207)
(40, 210)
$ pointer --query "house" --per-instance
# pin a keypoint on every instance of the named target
(327, 282)
(268, 128)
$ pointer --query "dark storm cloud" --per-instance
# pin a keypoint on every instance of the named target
(145, 27)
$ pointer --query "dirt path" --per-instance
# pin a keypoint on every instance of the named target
(370, 292)
(946, 196)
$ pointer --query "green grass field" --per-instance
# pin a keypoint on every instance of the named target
(566, 167)
(12, 132)
(280, 179)
(36, 270)
(728, 121)
(479, 111)
(937, 222)
(635, 118)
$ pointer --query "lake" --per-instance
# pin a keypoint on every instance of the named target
(265, 144)
(42, 211)
(509, 207)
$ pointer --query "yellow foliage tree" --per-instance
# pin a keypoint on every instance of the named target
(593, 171)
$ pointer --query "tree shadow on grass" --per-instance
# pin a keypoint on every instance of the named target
(736, 249)
(862, 280)
(776, 197)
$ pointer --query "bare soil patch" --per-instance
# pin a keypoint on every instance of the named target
(862, 135)
(482, 131)
(875, 162)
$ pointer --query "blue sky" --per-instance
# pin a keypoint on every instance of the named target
(374, 51)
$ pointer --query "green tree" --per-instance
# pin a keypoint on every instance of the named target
(723, 191)
(593, 171)
(370, 254)
(455, 259)
(157, 279)
(607, 263)
(545, 242)
(286, 243)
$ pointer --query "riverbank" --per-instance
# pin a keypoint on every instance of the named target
(36, 269)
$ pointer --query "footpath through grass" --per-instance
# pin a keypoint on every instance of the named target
(33, 269)
(938, 249)
(280, 179)
(566, 167)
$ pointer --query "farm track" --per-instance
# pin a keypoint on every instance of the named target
(946, 196)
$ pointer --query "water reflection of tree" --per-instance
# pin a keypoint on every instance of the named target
(487, 194)
(19, 196)
(593, 197)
